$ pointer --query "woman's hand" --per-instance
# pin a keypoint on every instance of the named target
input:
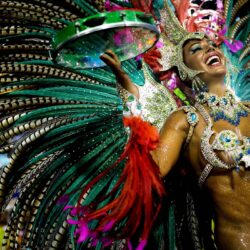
(111, 59)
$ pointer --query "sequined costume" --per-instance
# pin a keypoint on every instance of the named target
(235, 145)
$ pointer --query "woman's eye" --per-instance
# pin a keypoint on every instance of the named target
(195, 48)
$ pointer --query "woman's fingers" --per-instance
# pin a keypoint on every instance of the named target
(113, 55)
(108, 60)
(111, 59)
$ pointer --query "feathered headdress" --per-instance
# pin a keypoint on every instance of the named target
(195, 22)
(174, 36)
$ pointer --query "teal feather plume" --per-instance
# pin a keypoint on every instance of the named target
(59, 127)
(238, 28)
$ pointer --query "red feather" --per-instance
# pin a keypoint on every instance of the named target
(140, 198)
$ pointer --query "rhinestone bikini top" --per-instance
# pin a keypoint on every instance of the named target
(228, 141)
(237, 147)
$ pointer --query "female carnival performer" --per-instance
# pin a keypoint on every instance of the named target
(212, 136)
(53, 154)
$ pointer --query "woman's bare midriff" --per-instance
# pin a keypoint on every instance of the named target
(231, 202)
(228, 189)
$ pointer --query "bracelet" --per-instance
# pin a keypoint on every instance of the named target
(131, 105)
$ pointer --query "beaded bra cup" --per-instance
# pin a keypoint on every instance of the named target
(238, 148)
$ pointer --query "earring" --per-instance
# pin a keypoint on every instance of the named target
(198, 85)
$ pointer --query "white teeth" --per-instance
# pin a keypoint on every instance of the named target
(215, 58)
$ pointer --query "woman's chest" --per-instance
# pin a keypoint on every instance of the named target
(222, 146)
(231, 144)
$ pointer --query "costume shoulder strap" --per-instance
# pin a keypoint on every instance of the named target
(192, 119)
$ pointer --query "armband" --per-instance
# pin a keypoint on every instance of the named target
(192, 119)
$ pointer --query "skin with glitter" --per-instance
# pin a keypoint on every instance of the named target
(229, 190)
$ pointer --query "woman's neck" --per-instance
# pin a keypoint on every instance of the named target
(218, 88)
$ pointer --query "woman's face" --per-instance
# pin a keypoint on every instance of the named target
(203, 55)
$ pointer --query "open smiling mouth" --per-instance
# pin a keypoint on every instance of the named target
(213, 60)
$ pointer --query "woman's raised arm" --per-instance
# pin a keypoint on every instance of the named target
(172, 138)
(111, 59)
(174, 132)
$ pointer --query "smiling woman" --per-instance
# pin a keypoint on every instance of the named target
(223, 171)
(205, 56)
(216, 135)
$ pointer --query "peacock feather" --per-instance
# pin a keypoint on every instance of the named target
(238, 28)
(59, 127)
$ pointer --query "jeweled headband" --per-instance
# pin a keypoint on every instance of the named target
(174, 37)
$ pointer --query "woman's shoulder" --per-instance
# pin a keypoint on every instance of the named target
(183, 118)
(187, 115)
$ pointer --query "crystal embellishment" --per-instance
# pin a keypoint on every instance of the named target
(223, 108)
